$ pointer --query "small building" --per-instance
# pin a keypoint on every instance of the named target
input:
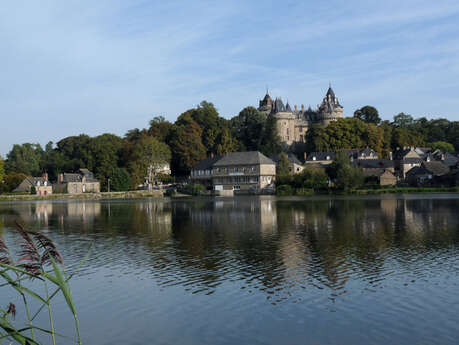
(41, 184)
(295, 165)
(76, 183)
(243, 171)
(368, 164)
(428, 174)
(380, 176)
(358, 154)
(405, 160)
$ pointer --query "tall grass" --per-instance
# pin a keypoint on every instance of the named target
(39, 260)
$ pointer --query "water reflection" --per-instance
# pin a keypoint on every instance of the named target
(276, 246)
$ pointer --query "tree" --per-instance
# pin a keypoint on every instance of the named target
(120, 180)
(25, 158)
(403, 120)
(225, 142)
(11, 181)
(270, 140)
(345, 175)
(248, 128)
(186, 144)
(368, 114)
(283, 165)
(311, 177)
(2, 169)
(148, 154)
(159, 128)
(443, 146)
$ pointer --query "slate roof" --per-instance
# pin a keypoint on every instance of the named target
(357, 153)
(206, 164)
(375, 172)
(320, 156)
(412, 160)
(436, 168)
(450, 159)
(30, 181)
(278, 106)
(374, 163)
(78, 177)
(243, 158)
(331, 92)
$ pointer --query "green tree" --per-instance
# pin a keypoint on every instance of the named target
(11, 181)
(283, 165)
(159, 128)
(403, 120)
(270, 141)
(248, 128)
(225, 142)
(311, 177)
(147, 153)
(186, 145)
(2, 169)
(120, 180)
(345, 175)
(368, 114)
(443, 146)
(25, 158)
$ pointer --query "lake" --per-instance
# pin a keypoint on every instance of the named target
(256, 270)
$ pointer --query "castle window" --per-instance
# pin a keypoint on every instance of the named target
(314, 158)
(328, 158)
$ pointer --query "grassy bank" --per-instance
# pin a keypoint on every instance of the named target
(289, 191)
(85, 196)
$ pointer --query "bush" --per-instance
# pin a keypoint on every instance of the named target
(284, 190)
(304, 191)
(171, 192)
(194, 189)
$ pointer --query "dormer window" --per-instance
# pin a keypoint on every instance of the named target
(328, 158)
(314, 158)
(45, 183)
(38, 183)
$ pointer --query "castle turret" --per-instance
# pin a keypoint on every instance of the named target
(330, 109)
(266, 104)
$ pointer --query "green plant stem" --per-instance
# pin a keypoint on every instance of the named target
(29, 318)
(77, 326)
(50, 313)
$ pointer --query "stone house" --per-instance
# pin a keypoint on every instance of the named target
(405, 160)
(76, 183)
(428, 174)
(380, 176)
(243, 171)
(41, 184)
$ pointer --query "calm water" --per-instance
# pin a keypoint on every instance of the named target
(257, 270)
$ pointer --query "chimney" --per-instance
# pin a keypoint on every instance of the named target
(45, 176)
(60, 178)
(305, 155)
(302, 107)
(296, 107)
(390, 155)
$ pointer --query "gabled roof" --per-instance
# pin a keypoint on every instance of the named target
(376, 172)
(207, 163)
(243, 158)
(320, 156)
(436, 168)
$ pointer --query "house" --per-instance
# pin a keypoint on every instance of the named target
(41, 184)
(202, 172)
(243, 171)
(385, 164)
(380, 176)
(405, 160)
(75, 183)
(357, 154)
(295, 166)
(429, 173)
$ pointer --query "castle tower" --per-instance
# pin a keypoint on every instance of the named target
(266, 104)
(330, 109)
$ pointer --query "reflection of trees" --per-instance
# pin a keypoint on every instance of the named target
(275, 246)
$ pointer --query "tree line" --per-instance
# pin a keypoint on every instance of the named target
(201, 132)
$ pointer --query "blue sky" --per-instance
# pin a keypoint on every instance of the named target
(75, 66)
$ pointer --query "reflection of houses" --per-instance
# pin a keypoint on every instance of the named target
(41, 185)
(81, 182)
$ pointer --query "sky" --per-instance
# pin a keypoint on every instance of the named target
(107, 66)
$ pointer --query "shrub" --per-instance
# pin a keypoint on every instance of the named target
(284, 190)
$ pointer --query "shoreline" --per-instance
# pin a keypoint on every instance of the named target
(86, 196)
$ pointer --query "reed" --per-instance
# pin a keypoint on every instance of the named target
(39, 259)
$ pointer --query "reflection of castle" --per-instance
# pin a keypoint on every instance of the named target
(292, 125)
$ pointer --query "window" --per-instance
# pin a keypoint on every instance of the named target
(314, 158)
(328, 158)
(38, 183)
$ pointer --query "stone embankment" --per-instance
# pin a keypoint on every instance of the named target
(86, 196)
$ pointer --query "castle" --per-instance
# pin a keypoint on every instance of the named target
(292, 125)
